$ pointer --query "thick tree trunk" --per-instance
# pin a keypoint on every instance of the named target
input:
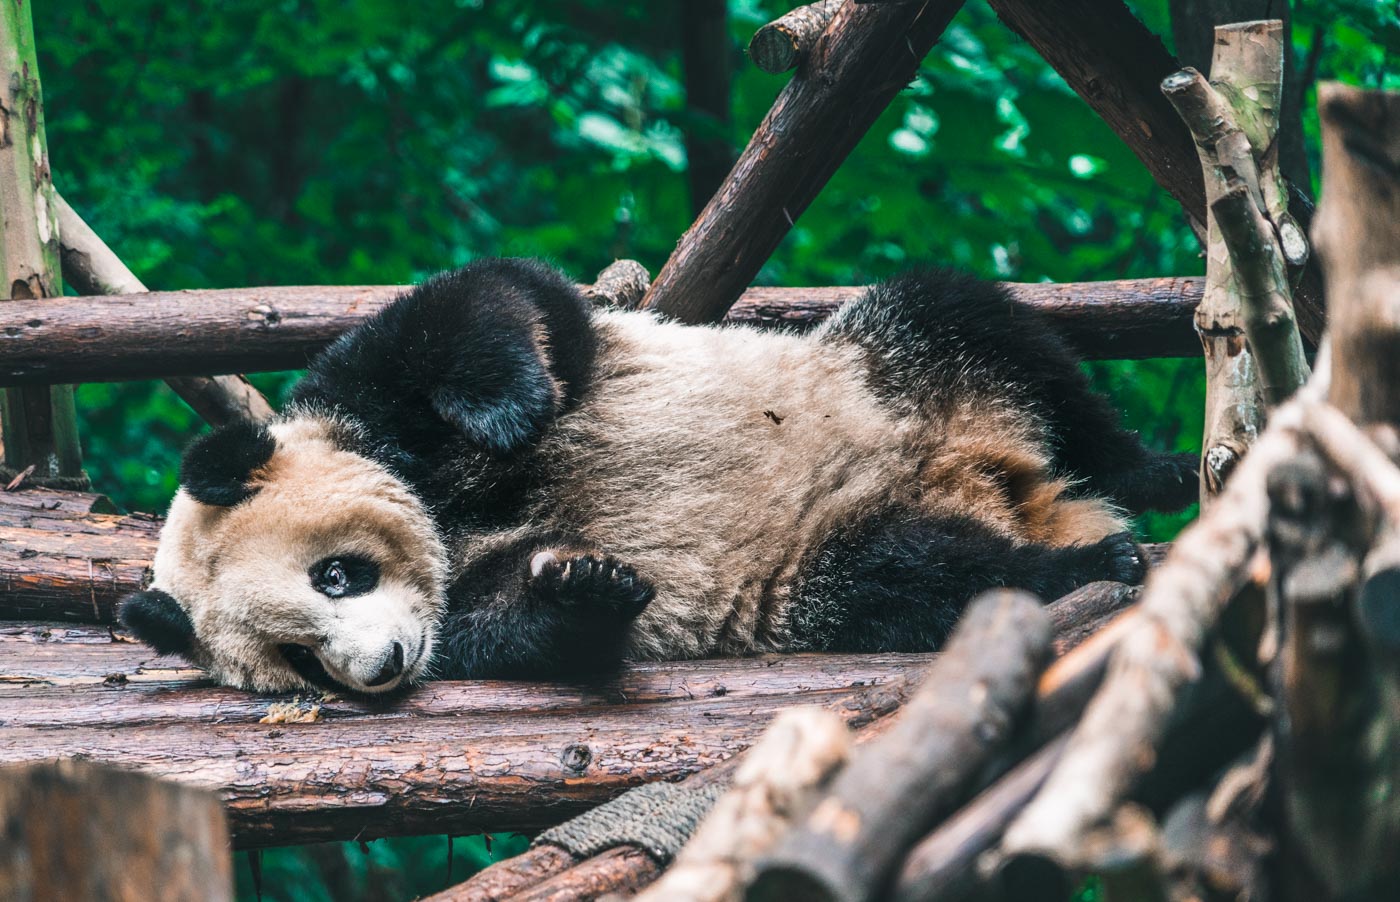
(39, 423)
(77, 830)
(867, 55)
(90, 267)
(240, 330)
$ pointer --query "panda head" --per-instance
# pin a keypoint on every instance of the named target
(288, 561)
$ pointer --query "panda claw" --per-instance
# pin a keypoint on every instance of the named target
(586, 582)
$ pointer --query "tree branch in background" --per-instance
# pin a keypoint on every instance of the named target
(1116, 64)
(92, 268)
(779, 779)
(1234, 120)
(39, 422)
(865, 57)
(706, 60)
(783, 43)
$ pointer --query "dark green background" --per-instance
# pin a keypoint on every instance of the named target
(377, 141)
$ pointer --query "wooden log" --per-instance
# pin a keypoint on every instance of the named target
(621, 284)
(915, 774)
(59, 561)
(38, 422)
(783, 43)
(865, 57)
(1234, 121)
(1116, 64)
(449, 757)
(1062, 692)
(161, 334)
(91, 267)
(1357, 233)
(78, 830)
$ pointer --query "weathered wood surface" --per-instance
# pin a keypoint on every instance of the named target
(450, 757)
(77, 830)
(174, 333)
(61, 561)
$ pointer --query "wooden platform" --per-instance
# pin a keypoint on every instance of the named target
(453, 757)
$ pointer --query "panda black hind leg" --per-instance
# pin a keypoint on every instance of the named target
(540, 608)
(939, 333)
(899, 580)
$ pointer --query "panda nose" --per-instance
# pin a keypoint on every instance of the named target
(393, 666)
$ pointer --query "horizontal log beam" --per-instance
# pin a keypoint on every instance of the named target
(200, 332)
(455, 757)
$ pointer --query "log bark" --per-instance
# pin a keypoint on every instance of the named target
(1113, 744)
(162, 334)
(621, 284)
(1234, 120)
(915, 774)
(1116, 64)
(783, 43)
(91, 267)
(866, 56)
(77, 830)
(1357, 233)
(1062, 692)
(39, 423)
(72, 829)
(453, 757)
(60, 561)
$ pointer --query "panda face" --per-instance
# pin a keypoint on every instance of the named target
(289, 562)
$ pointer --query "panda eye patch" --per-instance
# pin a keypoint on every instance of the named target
(344, 576)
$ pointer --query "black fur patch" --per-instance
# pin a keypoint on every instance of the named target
(473, 362)
(899, 581)
(157, 619)
(216, 468)
(937, 334)
(570, 621)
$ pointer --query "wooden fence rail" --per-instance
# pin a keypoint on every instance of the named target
(238, 330)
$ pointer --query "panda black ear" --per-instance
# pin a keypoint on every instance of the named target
(158, 620)
(217, 467)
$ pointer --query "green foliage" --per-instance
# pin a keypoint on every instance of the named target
(406, 868)
(373, 141)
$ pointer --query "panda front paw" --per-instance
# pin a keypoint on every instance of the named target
(589, 582)
(1119, 558)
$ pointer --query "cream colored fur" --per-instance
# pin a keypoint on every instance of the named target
(241, 572)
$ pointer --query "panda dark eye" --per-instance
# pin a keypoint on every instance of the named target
(344, 576)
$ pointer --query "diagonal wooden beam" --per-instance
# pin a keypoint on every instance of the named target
(93, 268)
(865, 57)
(1117, 65)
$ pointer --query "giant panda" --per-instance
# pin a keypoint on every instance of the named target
(489, 478)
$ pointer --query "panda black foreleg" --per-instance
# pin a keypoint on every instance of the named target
(899, 581)
(540, 614)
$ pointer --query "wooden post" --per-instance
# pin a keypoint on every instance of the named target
(866, 56)
(71, 829)
(1234, 119)
(92, 268)
(39, 423)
